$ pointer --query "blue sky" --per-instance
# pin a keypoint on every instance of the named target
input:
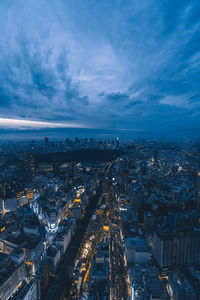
(122, 65)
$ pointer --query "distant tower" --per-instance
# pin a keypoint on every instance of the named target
(164, 247)
(46, 141)
(32, 145)
(197, 186)
(155, 158)
(117, 142)
(67, 140)
(32, 164)
(18, 199)
(4, 199)
(193, 247)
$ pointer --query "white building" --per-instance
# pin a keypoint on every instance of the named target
(136, 251)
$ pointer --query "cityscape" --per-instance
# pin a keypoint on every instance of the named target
(91, 219)
(99, 150)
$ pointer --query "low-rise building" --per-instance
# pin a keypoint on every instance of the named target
(54, 257)
(136, 251)
(11, 276)
(28, 291)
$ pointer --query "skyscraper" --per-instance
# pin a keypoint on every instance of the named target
(4, 199)
(181, 248)
(193, 249)
(164, 247)
(46, 141)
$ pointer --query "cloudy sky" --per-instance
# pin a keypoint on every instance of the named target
(110, 64)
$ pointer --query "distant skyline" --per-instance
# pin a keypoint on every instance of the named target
(100, 68)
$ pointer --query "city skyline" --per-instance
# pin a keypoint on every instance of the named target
(99, 219)
(99, 150)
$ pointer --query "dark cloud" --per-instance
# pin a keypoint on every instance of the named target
(117, 96)
(128, 64)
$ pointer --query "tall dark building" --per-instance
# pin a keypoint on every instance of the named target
(197, 186)
(176, 249)
(117, 142)
(181, 248)
(149, 222)
(164, 247)
(67, 141)
(46, 141)
(180, 288)
(193, 249)
(4, 199)
(155, 158)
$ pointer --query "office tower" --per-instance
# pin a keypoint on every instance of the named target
(67, 141)
(193, 249)
(197, 188)
(164, 247)
(181, 248)
(46, 141)
(179, 287)
(4, 199)
(117, 142)
(155, 158)
(149, 222)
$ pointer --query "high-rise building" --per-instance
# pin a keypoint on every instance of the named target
(4, 199)
(46, 141)
(164, 247)
(155, 158)
(193, 249)
(149, 222)
(117, 142)
(178, 248)
(197, 188)
(179, 287)
(181, 249)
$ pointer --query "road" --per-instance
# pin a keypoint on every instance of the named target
(61, 285)
(118, 272)
(61, 282)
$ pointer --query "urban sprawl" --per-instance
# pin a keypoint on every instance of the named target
(90, 219)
